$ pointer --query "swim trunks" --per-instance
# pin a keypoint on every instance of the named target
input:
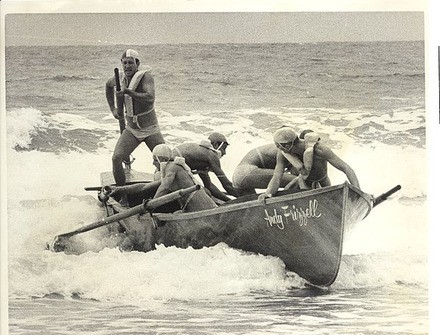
(143, 133)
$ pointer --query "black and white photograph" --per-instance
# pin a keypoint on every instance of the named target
(190, 168)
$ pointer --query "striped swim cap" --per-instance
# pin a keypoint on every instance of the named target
(130, 53)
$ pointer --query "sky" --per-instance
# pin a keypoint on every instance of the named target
(197, 24)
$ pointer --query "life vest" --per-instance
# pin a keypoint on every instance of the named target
(128, 100)
(304, 167)
(179, 161)
(310, 140)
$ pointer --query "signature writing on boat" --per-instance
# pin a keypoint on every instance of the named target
(296, 214)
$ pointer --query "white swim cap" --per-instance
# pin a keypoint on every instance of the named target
(163, 151)
(285, 135)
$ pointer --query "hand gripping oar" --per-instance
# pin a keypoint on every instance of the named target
(146, 206)
(120, 105)
(381, 198)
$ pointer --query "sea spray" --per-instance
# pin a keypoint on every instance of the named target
(162, 274)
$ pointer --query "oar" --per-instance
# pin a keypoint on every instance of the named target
(119, 101)
(146, 206)
(120, 105)
(99, 188)
(381, 198)
(144, 189)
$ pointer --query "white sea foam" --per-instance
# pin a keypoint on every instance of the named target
(134, 277)
(22, 124)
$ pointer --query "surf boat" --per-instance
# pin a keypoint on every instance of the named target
(304, 229)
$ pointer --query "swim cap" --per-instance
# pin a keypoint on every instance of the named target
(285, 135)
(130, 53)
(217, 137)
(163, 151)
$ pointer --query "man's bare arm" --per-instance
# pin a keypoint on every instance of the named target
(339, 164)
(275, 182)
(215, 192)
(110, 96)
(226, 183)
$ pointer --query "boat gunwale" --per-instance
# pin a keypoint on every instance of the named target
(248, 204)
(256, 203)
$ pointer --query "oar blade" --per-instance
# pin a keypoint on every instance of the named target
(58, 244)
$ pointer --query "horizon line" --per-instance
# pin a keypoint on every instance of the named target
(208, 43)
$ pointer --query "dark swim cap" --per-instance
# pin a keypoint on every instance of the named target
(217, 137)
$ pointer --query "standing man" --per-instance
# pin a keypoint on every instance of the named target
(138, 94)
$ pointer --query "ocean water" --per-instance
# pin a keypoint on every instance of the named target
(365, 99)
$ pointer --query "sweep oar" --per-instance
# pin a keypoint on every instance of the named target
(146, 206)
(120, 105)
(384, 196)
(119, 102)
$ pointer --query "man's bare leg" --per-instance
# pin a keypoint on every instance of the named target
(124, 147)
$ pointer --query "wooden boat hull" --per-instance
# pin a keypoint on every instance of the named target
(305, 230)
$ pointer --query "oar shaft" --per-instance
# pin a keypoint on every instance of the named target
(153, 203)
(120, 105)
(384, 196)
(99, 188)
(139, 209)
(119, 100)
